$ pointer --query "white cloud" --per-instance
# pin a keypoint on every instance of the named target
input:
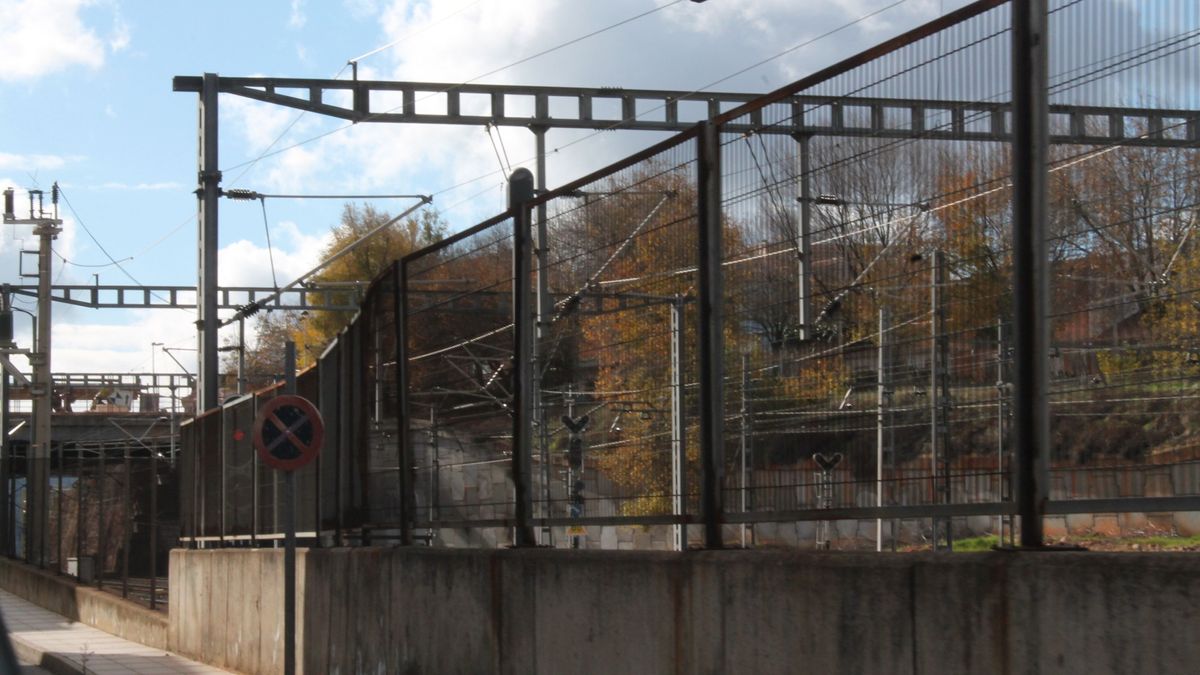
(686, 46)
(121, 35)
(297, 18)
(168, 185)
(245, 263)
(45, 36)
(11, 162)
(260, 124)
(123, 343)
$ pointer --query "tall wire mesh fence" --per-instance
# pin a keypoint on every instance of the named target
(112, 517)
(861, 363)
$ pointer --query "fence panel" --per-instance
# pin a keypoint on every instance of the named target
(615, 365)
(459, 336)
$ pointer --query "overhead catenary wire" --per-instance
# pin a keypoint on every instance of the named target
(258, 304)
(616, 124)
(526, 59)
(270, 249)
(114, 261)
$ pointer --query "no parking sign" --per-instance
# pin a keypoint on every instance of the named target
(288, 432)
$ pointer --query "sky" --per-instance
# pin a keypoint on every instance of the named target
(86, 100)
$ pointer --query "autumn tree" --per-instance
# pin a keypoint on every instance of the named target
(312, 330)
(368, 259)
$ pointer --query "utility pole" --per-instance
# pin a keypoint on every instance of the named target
(208, 193)
(37, 487)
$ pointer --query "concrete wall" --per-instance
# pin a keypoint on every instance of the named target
(545, 611)
(85, 604)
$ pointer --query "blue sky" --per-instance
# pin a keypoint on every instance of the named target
(85, 99)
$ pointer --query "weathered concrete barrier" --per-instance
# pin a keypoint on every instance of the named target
(85, 604)
(549, 611)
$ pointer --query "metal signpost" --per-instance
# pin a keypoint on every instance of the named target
(288, 434)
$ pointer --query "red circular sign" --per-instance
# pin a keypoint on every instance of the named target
(288, 432)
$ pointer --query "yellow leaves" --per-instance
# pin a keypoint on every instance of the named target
(817, 379)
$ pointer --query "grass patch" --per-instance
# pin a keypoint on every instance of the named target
(1164, 541)
(975, 544)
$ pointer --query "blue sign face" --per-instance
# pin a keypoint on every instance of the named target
(288, 432)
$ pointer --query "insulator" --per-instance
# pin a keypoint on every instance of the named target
(238, 194)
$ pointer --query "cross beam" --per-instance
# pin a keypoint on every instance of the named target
(184, 297)
(540, 107)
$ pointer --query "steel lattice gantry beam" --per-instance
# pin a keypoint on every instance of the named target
(184, 297)
(663, 110)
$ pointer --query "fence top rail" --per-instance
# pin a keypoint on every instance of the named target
(574, 186)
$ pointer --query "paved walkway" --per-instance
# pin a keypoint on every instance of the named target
(63, 646)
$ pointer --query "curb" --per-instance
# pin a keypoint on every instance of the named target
(56, 663)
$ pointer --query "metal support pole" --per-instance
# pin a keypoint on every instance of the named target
(208, 193)
(939, 399)
(1031, 336)
(435, 451)
(545, 312)
(80, 520)
(255, 490)
(520, 192)
(37, 486)
(101, 543)
(804, 243)
(403, 449)
(58, 526)
(241, 364)
(6, 543)
(712, 371)
(289, 533)
(746, 426)
(153, 530)
(126, 503)
(882, 401)
(678, 428)
(1001, 411)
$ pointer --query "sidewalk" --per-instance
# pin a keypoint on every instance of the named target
(62, 646)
